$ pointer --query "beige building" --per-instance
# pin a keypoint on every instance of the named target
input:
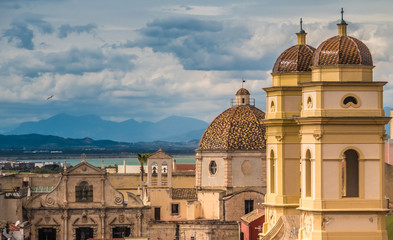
(230, 162)
(329, 115)
(84, 204)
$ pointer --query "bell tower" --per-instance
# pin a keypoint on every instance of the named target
(342, 144)
(283, 102)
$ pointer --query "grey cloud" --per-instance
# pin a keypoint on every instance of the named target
(202, 45)
(66, 29)
(20, 34)
(43, 26)
(74, 61)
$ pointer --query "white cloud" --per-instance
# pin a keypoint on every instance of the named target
(195, 10)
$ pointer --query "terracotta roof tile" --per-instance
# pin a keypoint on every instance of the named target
(242, 91)
(185, 167)
(184, 193)
(237, 128)
(297, 58)
(342, 50)
(253, 215)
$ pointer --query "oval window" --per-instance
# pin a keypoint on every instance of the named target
(213, 167)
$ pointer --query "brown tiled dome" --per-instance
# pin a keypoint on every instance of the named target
(297, 58)
(237, 128)
(342, 50)
(242, 91)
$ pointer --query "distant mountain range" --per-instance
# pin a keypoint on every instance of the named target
(34, 143)
(174, 128)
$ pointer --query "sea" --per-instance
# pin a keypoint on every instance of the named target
(110, 161)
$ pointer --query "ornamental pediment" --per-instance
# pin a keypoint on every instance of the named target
(85, 168)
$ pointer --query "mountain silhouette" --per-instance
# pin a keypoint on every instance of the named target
(175, 128)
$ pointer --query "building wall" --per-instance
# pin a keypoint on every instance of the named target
(216, 179)
(183, 179)
(210, 204)
(246, 171)
(161, 198)
(235, 205)
(206, 230)
(126, 183)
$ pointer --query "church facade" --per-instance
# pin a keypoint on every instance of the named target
(85, 205)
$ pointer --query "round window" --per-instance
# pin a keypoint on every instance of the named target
(213, 167)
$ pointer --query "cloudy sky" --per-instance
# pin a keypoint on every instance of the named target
(148, 60)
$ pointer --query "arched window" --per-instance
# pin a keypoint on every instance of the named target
(84, 192)
(154, 169)
(272, 106)
(309, 102)
(272, 164)
(308, 181)
(350, 173)
(164, 168)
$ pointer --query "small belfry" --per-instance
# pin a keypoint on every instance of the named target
(340, 128)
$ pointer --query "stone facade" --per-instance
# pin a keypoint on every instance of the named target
(85, 204)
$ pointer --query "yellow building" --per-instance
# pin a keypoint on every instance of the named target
(340, 144)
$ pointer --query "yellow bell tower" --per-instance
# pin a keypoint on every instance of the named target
(342, 144)
(282, 132)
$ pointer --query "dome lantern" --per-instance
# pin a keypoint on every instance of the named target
(342, 26)
(242, 97)
(301, 35)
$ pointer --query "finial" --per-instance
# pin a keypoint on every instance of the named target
(160, 149)
(243, 81)
(102, 164)
(301, 26)
(65, 165)
(342, 17)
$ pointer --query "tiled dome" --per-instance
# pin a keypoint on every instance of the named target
(342, 50)
(242, 91)
(237, 128)
(297, 58)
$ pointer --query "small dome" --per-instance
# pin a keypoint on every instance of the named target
(297, 58)
(237, 128)
(342, 50)
(242, 91)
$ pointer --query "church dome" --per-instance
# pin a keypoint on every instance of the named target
(237, 128)
(342, 49)
(297, 58)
